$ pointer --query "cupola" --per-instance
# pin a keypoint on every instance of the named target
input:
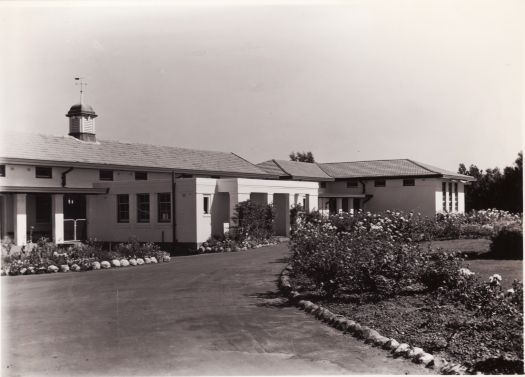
(82, 120)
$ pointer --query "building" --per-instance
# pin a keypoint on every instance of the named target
(379, 185)
(76, 187)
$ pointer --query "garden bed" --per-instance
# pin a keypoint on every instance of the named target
(448, 330)
(375, 270)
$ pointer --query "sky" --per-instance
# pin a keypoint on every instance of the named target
(440, 82)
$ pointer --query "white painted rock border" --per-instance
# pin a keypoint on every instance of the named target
(371, 336)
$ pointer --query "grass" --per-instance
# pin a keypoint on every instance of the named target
(509, 270)
(475, 249)
(467, 246)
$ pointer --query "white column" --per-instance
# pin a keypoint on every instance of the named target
(236, 198)
(20, 219)
(312, 202)
(339, 204)
(57, 208)
(269, 199)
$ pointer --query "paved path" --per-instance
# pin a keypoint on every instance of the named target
(209, 314)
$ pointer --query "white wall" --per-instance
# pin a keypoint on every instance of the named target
(425, 197)
(102, 212)
(24, 175)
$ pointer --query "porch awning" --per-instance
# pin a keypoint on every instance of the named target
(52, 190)
(342, 195)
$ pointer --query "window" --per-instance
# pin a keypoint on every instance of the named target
(409, 182)
(43, 209)
(105, 175)
(141, 176)
(123, 208)
(164, 207)
(379, 183)
(43, 172)
(450, 194)
(2, 170)
(456, 200)
(206, 204)
(444, 190)
(143, 208)
(351, 184)
(322, 184)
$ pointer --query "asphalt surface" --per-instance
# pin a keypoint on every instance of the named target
(216, 314)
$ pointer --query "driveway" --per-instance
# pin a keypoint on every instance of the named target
(198, 315)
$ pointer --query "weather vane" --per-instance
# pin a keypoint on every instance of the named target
(82, 84)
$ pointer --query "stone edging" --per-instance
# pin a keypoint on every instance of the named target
(370, 336)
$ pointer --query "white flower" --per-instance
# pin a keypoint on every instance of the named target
(124, 263)
(96, 265)
(153, 260)
(105, 264)
(147, 260)
(510, 292)
(495, 279)
(140, 261)
(133, 262)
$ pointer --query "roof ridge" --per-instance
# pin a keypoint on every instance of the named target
(349, 162)
(280, 167)
(422, 166)
(251, 163)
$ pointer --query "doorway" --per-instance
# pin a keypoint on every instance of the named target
(75, 224)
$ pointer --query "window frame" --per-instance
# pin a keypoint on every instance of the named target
(322, 184)
(102, 171)
(456, 198)
(160, 203)
(121, 219)
(138, 176)
(412, 182)
(44, 176)
(450, 199)
(444, 191)
(142, 211)
(206, 204)
(377, 182)
(2, 170)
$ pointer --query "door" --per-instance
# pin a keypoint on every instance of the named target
(332, 205)
(357, 204)
(75, 227)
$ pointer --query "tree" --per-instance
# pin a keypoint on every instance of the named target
(495, 189)
(302, 157)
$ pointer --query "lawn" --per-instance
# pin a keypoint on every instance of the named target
(509, 270)
(467, 246)
(475, 249)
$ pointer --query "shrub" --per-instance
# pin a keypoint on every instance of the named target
(442, 270)
(254, 221)
(362, 253)
(507, 243)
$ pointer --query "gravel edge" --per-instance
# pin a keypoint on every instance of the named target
(370, 336)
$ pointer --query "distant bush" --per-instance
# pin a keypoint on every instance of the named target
(507, 243)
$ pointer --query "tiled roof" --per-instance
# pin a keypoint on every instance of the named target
(67, 149)
(295, 170)
(386, 168)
